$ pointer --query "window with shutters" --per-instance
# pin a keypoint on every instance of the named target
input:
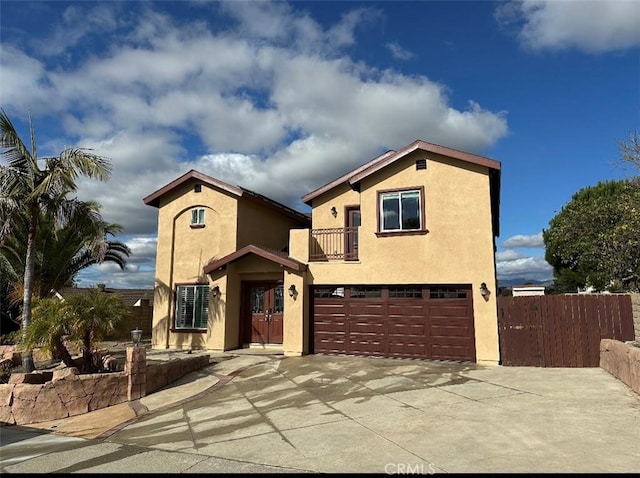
(192, 307)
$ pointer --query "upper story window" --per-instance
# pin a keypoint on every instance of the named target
(401, 210)
(192, 306)
(197, 216)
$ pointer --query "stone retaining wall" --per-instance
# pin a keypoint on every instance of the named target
(51, 395)
(622, 361)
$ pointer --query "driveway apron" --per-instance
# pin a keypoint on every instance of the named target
(349, 414)
(336, 414)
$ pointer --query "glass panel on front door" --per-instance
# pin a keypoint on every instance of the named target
(257, 300)
(278, 306)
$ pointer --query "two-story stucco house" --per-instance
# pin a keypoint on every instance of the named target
(396, 260)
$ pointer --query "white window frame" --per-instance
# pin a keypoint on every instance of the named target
(192, 301)
(197, 216)
(400, 193)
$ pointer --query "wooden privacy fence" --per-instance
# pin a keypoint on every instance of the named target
(561, 330)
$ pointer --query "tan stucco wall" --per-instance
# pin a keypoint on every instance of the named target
(231, 222)
(183, 251)
(339, 198)
(262, 225)
(458, 249)
(296, 316)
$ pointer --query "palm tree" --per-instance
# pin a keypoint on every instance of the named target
(94, 316)
(65, 248)
(49, 327)
(83, 320)
(29, 185)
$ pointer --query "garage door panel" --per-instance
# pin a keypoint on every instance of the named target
(331, 346)
(449, 331)
(455, 341)
(410, 351)
(400, 329)
(329, 329)
(449, 352)
(441, 311)
(406, 310)
(432, 328)
(369, 310)
(367, 345)
(329, 309)
(363, 326)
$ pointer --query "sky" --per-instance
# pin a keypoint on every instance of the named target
(283, 97)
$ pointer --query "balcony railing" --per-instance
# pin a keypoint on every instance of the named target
(334, 244)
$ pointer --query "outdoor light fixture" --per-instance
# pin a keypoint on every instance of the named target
(334, 211)
(136, 336)
(292, 290)
(484, 290)
(215, 292)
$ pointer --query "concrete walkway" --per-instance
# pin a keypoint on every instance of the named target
(331, 414)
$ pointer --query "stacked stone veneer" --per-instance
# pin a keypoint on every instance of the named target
(42, 396)
(622, 360)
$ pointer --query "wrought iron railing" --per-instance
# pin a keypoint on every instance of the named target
(339, 243)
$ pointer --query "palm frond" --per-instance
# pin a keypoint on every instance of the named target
(15, 152)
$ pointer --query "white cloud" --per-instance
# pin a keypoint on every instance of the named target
(268, 97)
(534, 268)
(521, 240)
(398, 52)
(593, 26)
(508, 255)
(77, 25)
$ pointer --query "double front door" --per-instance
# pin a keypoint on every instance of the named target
(265, 307)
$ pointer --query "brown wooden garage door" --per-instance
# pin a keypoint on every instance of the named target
(431, 322)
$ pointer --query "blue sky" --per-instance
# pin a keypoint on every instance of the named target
(282, 97)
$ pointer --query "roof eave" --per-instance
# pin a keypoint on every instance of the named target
(154, 198)
(286, 262)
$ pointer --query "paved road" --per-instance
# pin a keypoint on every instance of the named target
(345, 414)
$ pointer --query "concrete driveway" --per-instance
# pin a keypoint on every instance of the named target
(335, 414)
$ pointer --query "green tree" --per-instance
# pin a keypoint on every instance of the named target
(94, 316)
(30, 185)
(595, 239)
(65, 247)
(48, 328)
(82, 320)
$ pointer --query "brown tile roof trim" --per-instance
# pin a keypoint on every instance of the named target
(344, 178)
(389, 157)
(274, 256)
(154, 198)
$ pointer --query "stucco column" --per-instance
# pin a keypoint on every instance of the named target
(293, 343)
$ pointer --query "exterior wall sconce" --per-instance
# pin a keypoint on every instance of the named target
(484, 291)
(136, 337)
(292, 291)
(215, 292)
(334, 211)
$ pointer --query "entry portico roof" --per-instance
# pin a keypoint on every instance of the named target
(274, 256)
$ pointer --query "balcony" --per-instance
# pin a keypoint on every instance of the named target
(336, 244)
